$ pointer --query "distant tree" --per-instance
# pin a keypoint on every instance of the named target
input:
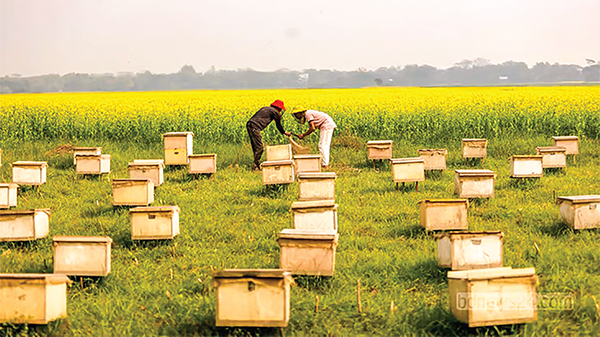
(378, 82)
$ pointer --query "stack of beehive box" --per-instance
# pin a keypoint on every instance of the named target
(91, 161)
(179, 150)
(279, 167)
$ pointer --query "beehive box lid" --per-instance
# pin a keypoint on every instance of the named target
(30, 163)
(491, 273)
(445, 201)
(543, 149)
(580, 199)
(307, 156)
(88, 155)
(299, 234)
(177, 134)
(252, 273)
(43, 278)
(467, 234)
(9, 185)
(317, 175)
(202, 155)
(130, 181)
(147, 163)
(153, 209)
(466, 140)
(86, 148)
(475, 173)
(443, 151)
(407, 160)
(24, 211)
(379, 142)
(83, 239)
(565, 138)
(313, 204)
(526, 156)
(277, 163)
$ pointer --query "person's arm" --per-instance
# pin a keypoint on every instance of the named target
(309, 131)
(280, 126)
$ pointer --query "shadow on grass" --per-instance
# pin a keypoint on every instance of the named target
(63, 162)
(434, 174)
(523, 183)
(425, 270)
(313, 282)
(59, 327)
(555, 171)
(412, 231)
(556, 229)
(105, 210)
(270, 191)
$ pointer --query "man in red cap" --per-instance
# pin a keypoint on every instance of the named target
(259, 122)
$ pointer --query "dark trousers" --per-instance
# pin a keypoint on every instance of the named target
(256, 142)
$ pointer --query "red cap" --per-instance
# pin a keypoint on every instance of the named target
(278, 104)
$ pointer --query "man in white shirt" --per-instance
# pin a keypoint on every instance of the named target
(321, 121)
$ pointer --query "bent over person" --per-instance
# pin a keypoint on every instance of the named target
(259, 122)
(321, 121)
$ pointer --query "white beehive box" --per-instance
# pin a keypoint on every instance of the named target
(132, 192)
(154, 223)
(316, 186)
(434, 159)
(92, 164)
(319, 215)
(279, 152)
(178, 146)
(85, 151)
(469, 250)
(570, 143)
(82, 255)
(203, 163)
(33, 298)
(8, 195)
(277, 172)
(552, 156)
(152, 169)
(408, 169)
(495, 296)
(474, 148)
(29, 172)
(379, 149)
(24, 225)
(307, 252)
(474, 183)
(252, 297)
(443, 214)
(526, 166)
(580, 211)
(307, 163)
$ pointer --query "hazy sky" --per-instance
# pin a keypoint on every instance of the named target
(98, 36)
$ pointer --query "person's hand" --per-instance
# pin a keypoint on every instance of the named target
(288, 134)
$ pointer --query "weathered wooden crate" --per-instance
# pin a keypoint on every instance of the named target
(434, 159)
(307, 163)
(278, 172)
(252, 297)
(443, 214)
(82, 255)
(8, 195)
(92, 164)
(29, 172)
(526, 166)
(178, 146)
(24, 225)
(152, 169)
(408, 169)
(474, 148)
(495, 296)
(580, 211)
(469, 250)
(552, 156)
(319, 215)
(570, 143)
(154, 223)
(316, 186)
(279, 152)
(203, 163)
(379, 149)
(132, 192)
(308, 252)
(474, 183)
(85, 151)
(33, 298)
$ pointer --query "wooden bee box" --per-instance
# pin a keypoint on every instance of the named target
(82, 255)
(154, 223)
(474, 148)
(279, 152)
(178, 146)
(132, 192)
(307, 163)
(307, 252)
(203, 163)
(570, 143)
(33, 298)
(580, 211)
(29, 172)
(23, 225)
(277, 172)
(469, 250)
(379, 149)
(408, 170)
(316, 186)
(92, 164)
(252, 297)
(434, 159)
(152, 169)
(8, 195)
(85, 151)
(552, 156)
(526, 166)
(319, 215)
(443, 214)
(474, 183)
(495, 296)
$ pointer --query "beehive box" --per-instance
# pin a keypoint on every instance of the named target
(379, 149)
(408, 169)
(203, 163)
(8, 195)
(570, 143)
(306, 252)
(474, 183)
(152, 169)
(443, 214)
(307, 163)
(82, 255)
(132, 192)
(85, 151)
(279, 152)
(277, 172)
(526, 166)
(474, 148)
(434, 159)
(319, 215)
(316, 186)
(29, 172)
(580, 211)
(252, 297)
(154, 223)
(178, 146)
(33, 298)
(469, 250)
(24, 225)
(92, 164)
(495, 296)
(552, 156)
